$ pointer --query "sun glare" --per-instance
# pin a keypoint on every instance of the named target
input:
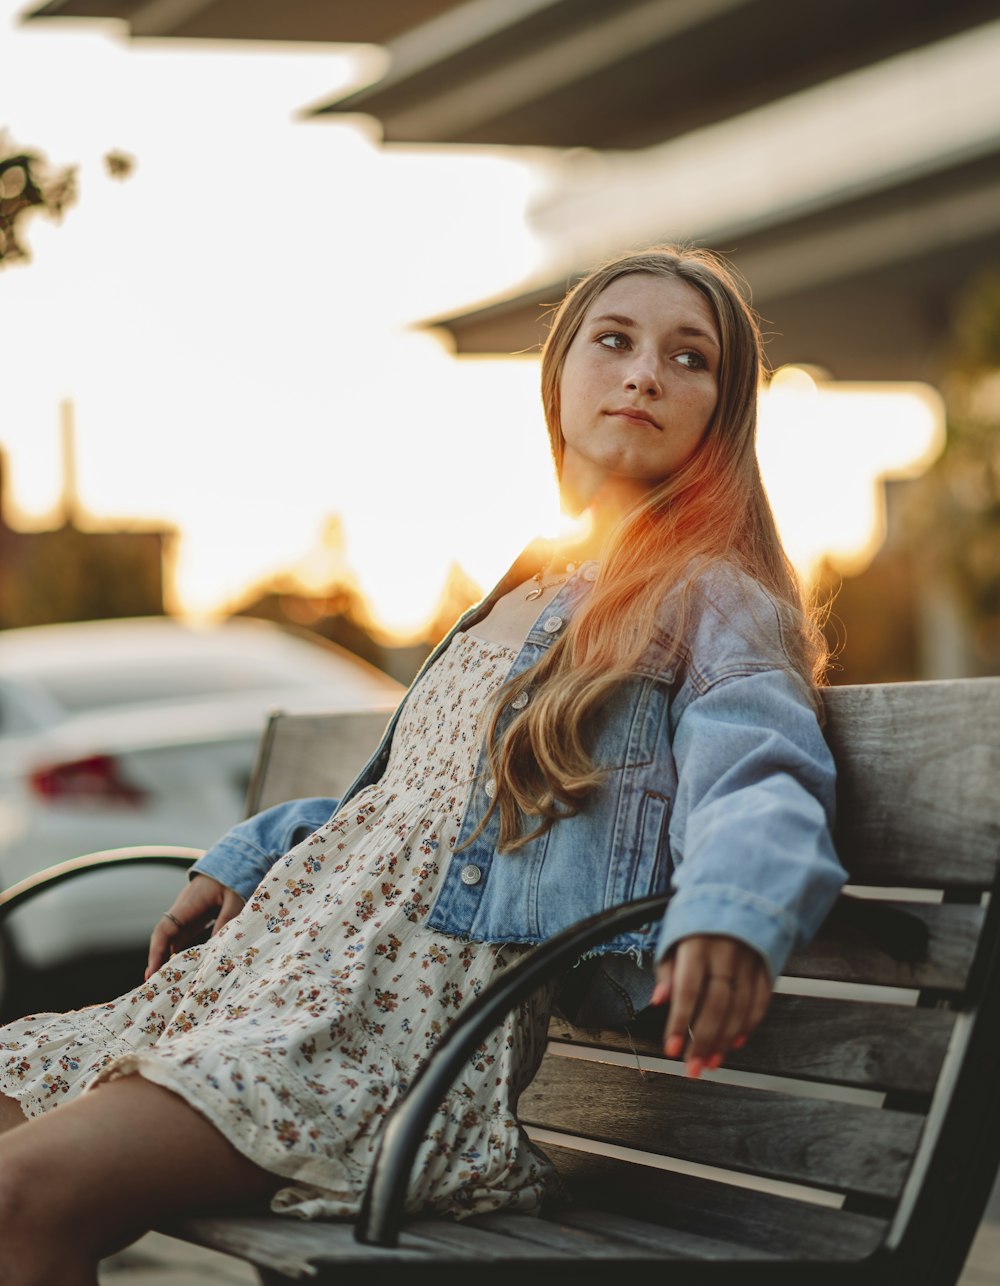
(825, 450)
(234, 324)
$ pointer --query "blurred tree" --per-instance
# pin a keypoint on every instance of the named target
(27, 183)
(337, 613)
(458, 594)
(957, 518)
(119, 165)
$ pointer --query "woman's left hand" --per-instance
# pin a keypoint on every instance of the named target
(718, 990)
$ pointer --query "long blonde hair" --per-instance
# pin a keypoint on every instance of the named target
(712, 509)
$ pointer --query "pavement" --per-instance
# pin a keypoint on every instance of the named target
(156, 1260)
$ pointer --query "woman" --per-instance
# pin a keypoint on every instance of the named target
(626, 716)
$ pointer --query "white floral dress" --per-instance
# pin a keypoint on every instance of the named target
(297, 1028)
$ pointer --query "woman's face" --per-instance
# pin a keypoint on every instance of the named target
(639, 385)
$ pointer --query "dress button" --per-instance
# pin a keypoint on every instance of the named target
(552, 625)
(490, 788)
(520, 701)
(471, 874)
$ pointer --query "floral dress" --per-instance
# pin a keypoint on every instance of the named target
(296, 1029)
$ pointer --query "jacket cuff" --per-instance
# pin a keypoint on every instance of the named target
(236, 864)
(767, 928)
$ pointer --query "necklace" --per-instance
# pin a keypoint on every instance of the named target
(542, 581)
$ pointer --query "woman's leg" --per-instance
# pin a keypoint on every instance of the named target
(95, 1173)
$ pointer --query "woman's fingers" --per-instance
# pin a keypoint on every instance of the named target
(685, 994)
(197, 903)
(718, 989)
(739, 1019)
(232, 905)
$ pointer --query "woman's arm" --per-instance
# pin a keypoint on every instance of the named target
(755, 868)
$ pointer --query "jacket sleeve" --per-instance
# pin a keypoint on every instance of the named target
(750, 829)
(245, 854)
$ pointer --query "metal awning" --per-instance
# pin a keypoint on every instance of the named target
(864, 288)
(585, 73)
(564, 73)
(373, 22)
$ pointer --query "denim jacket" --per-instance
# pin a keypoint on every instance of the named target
(718, 785)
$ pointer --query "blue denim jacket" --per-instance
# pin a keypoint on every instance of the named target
(717, 784)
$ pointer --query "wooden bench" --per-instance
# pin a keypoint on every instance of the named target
(853, 1140)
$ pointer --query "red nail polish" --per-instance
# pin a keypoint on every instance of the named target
(695, 1067)
(714, 1063)
(661, 994)
(673, 1046)
(739, 1041)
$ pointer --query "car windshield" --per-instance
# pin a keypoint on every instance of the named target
(87, 690)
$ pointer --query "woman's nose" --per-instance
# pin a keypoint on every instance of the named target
(643, 378)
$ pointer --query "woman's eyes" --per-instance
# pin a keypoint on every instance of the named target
(620, 343)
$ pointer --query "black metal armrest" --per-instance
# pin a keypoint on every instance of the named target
(382, 1208)
(141, 855)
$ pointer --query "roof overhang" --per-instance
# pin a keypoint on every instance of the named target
(374, 22)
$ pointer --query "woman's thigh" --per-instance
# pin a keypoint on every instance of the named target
(116, 1160)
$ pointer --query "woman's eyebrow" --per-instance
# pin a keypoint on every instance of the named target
(616, 317)
(701, 334)
(620, 320)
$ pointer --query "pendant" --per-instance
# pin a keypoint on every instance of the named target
(535, 593)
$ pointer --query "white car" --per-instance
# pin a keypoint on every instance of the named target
(139, 731)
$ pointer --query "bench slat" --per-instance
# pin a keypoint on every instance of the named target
(479, 1241)
(558, 1232)
(812, 1141)
(596, 1234)
(312, 754)
(838, 955)
(719, 1211)
(866, 1046)
(291, 1246)
(916, 806)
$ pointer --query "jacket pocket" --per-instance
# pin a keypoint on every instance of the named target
(653, 857)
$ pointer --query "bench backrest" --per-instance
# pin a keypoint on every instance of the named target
(850, 1089)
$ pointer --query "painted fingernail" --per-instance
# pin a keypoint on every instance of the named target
(714, 1063)
(739, 1041)
(673, 1046)
(695, 1066)
(661, 994)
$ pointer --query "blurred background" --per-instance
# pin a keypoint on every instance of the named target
(273, 280)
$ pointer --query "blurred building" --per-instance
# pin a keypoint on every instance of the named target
(69, 574)
(846, 155)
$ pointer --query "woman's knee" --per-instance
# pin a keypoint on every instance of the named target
(27, 1193)
(40, 1245)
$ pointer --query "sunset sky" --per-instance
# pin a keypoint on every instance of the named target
(236, 325)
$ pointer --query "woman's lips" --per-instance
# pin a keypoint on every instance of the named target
(637, 416)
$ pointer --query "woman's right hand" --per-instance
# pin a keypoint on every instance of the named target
(201, 901)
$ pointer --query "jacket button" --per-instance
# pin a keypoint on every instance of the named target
(552, 625)
(520, 701)
(471, 874)
(490, 788)
(590, 572)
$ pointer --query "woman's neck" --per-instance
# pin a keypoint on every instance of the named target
(601, 516)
